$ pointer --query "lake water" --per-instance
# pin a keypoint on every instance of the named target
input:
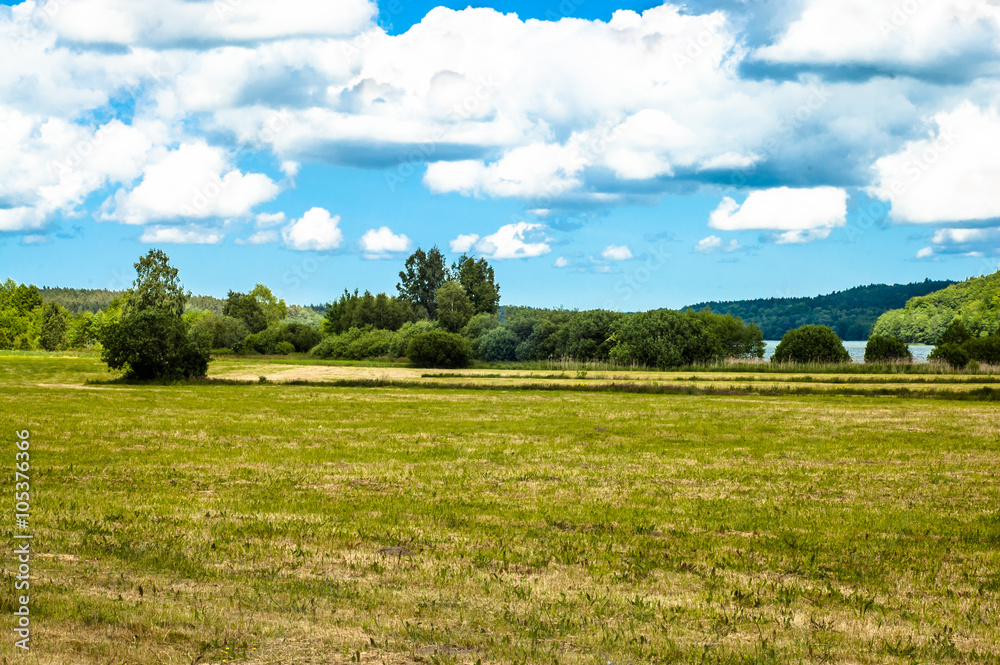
(857, 350)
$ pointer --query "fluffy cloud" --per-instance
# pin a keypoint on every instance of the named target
(950, 176)
(194, 181)
(49, 165)
(173, 235)
(464, 243)
(975, 243)
(617, 253)
(534, 171)
(180, 23)
(316, 230)
(910, 36)
(713, 244)
(572, 114)
(381, 243)
(562, 262)
(514, 241)
(802, 215)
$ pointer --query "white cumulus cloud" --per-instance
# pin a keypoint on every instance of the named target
(464, 243)
(195, 181)
(382, 242)
(514, 241)
(617, 253)
(950, 176)
(802, 215)
(316, 230)
(887, 32)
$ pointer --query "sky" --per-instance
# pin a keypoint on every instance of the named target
(622, 155)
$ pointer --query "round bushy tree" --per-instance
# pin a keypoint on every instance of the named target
(886, 349)
(438, 348)
(153, 344)
(499, 344)
(953, 354)
(150, 340)
(811, 344)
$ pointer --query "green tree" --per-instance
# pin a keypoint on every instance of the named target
(955, 333)
(811, 344)
(55, 320)
(156, 286)
(453, 307)
(423, 274)
(149, 340)
(479, 283)
(153, 344)
(438, 348)
(246, 308)
(886, 349)
(274, 310)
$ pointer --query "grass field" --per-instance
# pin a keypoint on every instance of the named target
(476, 516)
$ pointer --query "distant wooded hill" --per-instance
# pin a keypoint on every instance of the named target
(976, 301)
(852, 313)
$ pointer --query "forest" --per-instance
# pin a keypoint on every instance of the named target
(923, 320)
(852, 313)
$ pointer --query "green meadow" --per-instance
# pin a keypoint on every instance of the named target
(339, 513)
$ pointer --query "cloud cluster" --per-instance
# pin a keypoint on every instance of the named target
(150, 107)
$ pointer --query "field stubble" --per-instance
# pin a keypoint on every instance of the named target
(278, 523)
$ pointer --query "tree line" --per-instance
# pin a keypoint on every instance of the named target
(440, 315)
(851, 313)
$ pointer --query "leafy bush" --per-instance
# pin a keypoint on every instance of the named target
(984, 349)
(153, 344)
(371, 343)
(355, 344)
(283, 348)
(499, 344)
(439, 349)
(302, 336)
(401, 340)
(811, 344)
(951, 353)
(331, 346)
(886, 349)
(663, 339)
(955, 333)
(212, 331)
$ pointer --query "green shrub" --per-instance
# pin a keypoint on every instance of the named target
(284, 348)
(371, 343)
(664, 339)
(984, 349)
(355, 344)
(401, 339)
(212, 331)
(331, 346)
(302, 336)
(951, 353)
(499, 344)
(886, 349)
(811, 344)
(439, 349)
(955, 333)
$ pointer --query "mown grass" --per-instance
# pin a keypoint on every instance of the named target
(272, 523)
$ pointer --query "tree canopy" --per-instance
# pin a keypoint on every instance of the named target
(423, 274)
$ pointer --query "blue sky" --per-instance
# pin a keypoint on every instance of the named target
(654, 157)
